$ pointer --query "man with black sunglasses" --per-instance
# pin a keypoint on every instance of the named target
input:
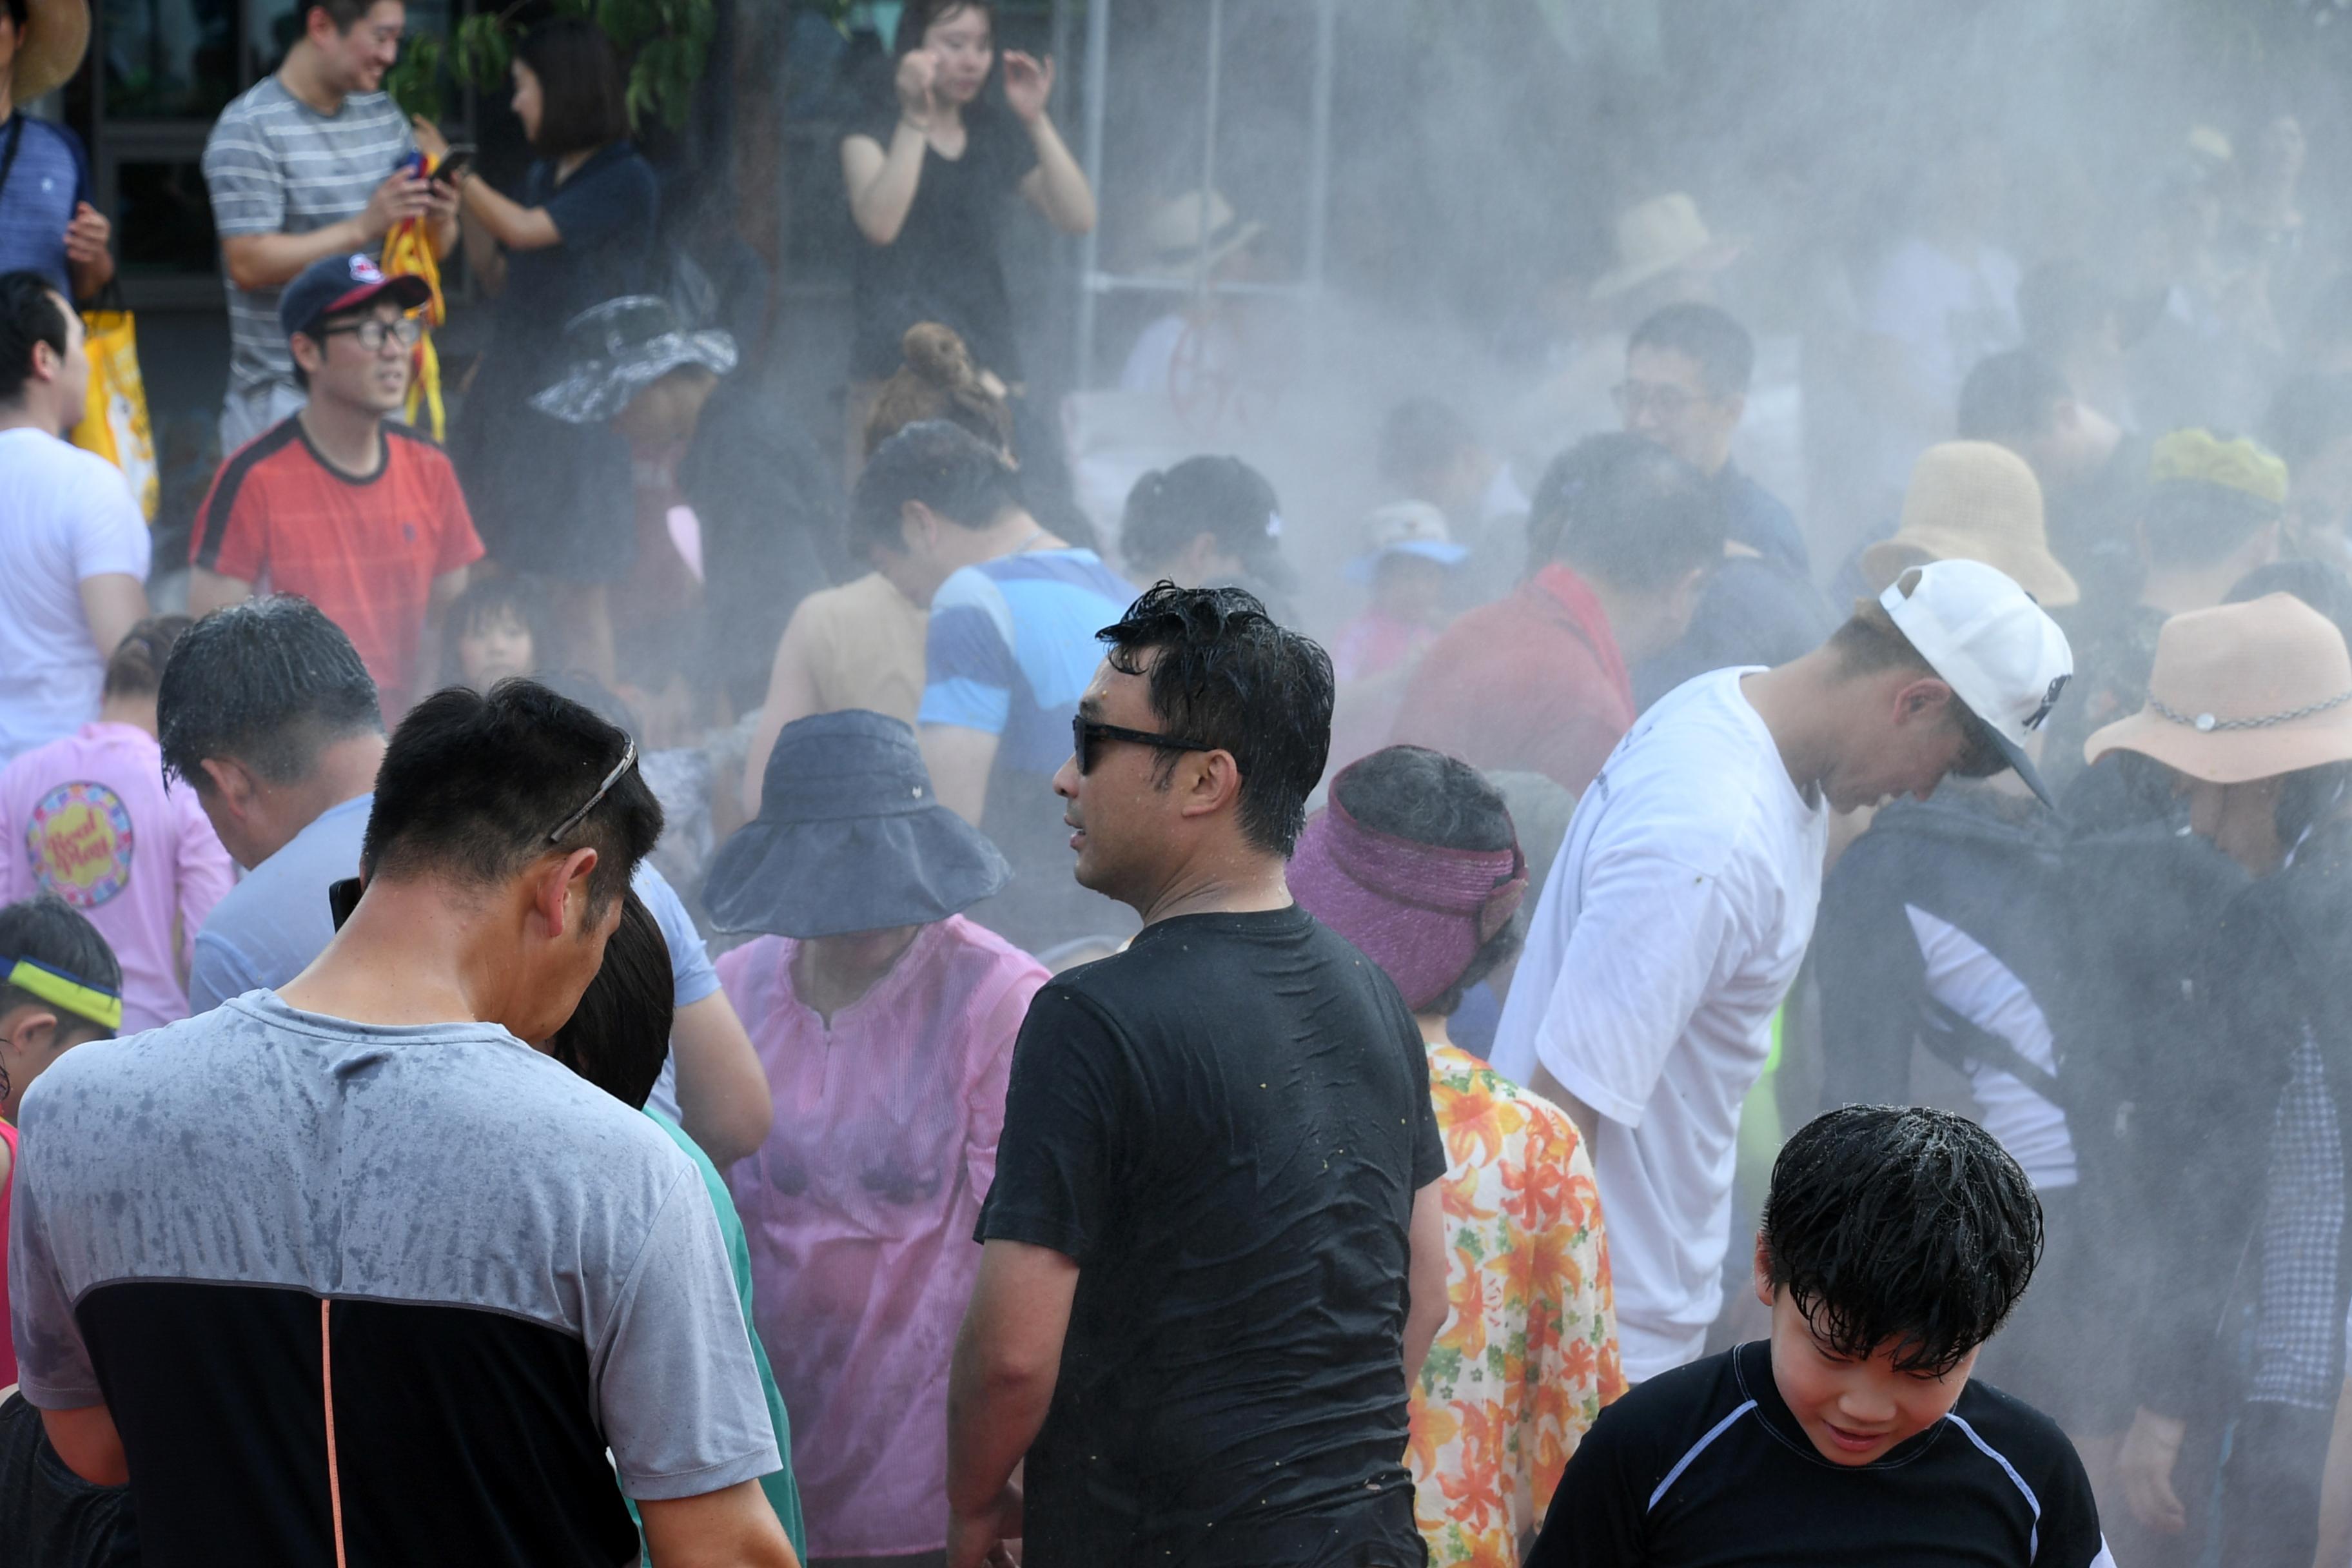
(341, 503)
(1215, 1256)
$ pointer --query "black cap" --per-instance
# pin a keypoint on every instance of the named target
(333, 284)
(1223, 497)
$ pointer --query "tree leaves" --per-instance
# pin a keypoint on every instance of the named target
(664, 46)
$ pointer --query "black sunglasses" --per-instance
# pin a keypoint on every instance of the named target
(628, 759)
(1085, 731)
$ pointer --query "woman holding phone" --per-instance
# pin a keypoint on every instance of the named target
(549, 497)
(927, 171)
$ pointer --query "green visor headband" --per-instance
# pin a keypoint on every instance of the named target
(59, 989)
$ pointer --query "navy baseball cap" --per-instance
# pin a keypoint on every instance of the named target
(336, 283)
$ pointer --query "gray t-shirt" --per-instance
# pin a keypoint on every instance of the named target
(276, 165)
(522, 1273)
(268, 929)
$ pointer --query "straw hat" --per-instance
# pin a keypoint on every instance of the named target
(2243, 691)
(56, 36)
(1972, 501)
(1662, 235)
(1172, 235)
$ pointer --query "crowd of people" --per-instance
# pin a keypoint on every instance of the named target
(1072, 1069)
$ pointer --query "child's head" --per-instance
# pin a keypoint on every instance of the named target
(618, 1036)
(1894, 1242)
(495, 630)
(60, 987)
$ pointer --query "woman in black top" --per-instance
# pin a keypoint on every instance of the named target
(926, 174)
(549, 497)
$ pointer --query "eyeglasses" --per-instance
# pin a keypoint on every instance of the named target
(1085, 731)
(628, 759)
(374, 332)
(1665, 402)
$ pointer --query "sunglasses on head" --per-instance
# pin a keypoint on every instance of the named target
(1085, 732)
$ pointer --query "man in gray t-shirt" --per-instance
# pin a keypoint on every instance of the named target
(350, 1272)
(302, 165)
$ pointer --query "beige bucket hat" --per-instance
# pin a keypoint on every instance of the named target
(1972, 500)
(56, 36)
(1662, 235)
(2241, 693)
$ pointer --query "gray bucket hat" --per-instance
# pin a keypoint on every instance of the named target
(849, 838)
(621, 347)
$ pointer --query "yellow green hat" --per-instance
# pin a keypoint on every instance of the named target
(2201, 457)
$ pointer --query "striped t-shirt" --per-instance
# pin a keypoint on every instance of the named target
(276, 165)
(1012, 645)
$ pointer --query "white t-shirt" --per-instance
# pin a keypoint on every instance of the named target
(68, 515)
(1963, 974)
(1670, 929)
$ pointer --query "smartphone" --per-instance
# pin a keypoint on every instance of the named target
(453, 165)
(342, 897)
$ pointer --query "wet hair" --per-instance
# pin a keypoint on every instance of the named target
(951, 471)
(269, 683)
(1420, 436)
(583, 102)
(1719, 345)
(2308, 414)
(1625, 510)
(1428, 797)
(938, 381)
(52, 932)
(1869, 642)
(618, 1037)
(472, 784)
(29, 314)
(1902, 1228)
(916, 20)
(1228, 676)
(2010, 397)
(136, 666)
(486, 599)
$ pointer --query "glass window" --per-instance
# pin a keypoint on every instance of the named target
(169, 59)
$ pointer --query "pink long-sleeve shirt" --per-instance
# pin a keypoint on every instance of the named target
(91, 818)
(859, 1209)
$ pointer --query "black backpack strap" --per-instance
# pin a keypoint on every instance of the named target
(1953, 1039)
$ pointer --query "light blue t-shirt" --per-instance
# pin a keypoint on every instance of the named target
(692, 975)
(1012, 647)
(275, 922)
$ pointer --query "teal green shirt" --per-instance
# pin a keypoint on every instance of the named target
(782, 1495)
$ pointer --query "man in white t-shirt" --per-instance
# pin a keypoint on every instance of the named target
(1673, 922)
(73, 554)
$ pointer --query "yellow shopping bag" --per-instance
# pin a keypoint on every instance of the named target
(409, 249)
(114, 416)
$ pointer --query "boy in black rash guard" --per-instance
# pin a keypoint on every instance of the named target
(1894, 1242)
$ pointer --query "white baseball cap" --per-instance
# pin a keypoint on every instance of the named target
(1995, 647)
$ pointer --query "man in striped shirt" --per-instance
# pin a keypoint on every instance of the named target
(305, 163)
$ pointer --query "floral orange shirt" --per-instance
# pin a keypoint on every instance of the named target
(1529, 1353)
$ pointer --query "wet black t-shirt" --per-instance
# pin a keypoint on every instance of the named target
(1226, 1126)
(944, 266)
